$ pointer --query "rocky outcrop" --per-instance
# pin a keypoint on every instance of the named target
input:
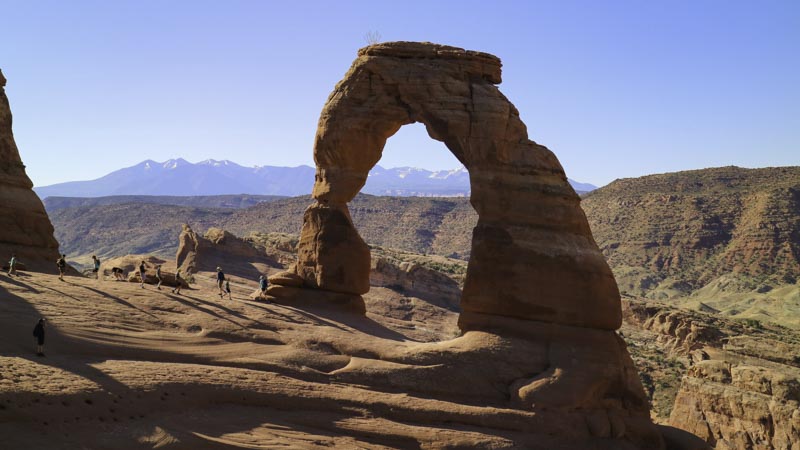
(678, 332)
(27, 230)
(416, 280)
(736, 405)
(219, 248)
(539, 304)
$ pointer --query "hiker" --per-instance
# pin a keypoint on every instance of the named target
(118, 273)
(62, 266)
(228, 289)
(262, 283)
(220, 281)
(178, 282)
(158, 276)
(142, 273)
(12, 265)
(96, 269)
(38, 333)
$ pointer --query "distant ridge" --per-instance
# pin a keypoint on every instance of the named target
(178, 177)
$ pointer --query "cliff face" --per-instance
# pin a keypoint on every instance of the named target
(735, 384)
(722, 236)
(27, 231)
(739, 405)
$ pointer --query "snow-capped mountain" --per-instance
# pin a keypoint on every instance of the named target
(212, 177)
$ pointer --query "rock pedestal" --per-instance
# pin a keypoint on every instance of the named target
(27, 230)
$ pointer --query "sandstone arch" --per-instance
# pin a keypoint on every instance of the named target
(533, 255)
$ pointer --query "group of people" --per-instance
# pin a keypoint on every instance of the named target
(223, 285)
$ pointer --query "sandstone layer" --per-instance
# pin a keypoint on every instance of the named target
(546, 244)
(219, 248)
(539, 303)
(27, 230)
(735, 384)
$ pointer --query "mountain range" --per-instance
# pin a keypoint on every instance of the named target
(724, 239)
(178, 177)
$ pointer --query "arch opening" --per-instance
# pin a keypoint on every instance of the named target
(532, 257)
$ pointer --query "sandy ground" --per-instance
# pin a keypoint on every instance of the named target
(129, 368)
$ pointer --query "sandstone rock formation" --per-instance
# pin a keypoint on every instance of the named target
(27, 231)
(531, 231)
(738, 405)
(539, 304)
(416, 280)
(219, 248)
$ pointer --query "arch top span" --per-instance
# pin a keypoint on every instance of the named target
(533, 255)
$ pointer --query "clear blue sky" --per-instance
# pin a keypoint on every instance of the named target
(615, 89)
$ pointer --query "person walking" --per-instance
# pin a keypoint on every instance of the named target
(12, 265)
(262, 283)
(96, 269)
(220, 281)
(158, 276)
(178, 282)
(62, 266)
(142, 274)
(228, 289)
(38, 333)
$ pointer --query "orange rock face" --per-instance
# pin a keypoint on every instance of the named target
(531, 237)
(539, 304)
(27, 230)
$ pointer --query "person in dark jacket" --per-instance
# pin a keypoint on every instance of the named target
(263, 284)
(220, 281)
(142, 274)
(38, 333)
(62, 266)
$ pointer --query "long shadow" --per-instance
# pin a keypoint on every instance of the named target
(116, 299)
(358, 322)
(58, 291)
(14, 334)
(18, 283)
(185, 301)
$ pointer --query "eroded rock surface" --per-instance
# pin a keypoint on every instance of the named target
(539, 304)
(219, 248)
(27, 230)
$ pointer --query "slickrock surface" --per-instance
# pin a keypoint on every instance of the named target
(26, 229)
(131, 368)
(539, 303)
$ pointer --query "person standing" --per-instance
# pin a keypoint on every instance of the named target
(12, 265)
(158, 276)
(262, 283)
(178, 282)
(62, 266)
(220, 281)
(38, 333)
(142, 274)
(96, 269)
